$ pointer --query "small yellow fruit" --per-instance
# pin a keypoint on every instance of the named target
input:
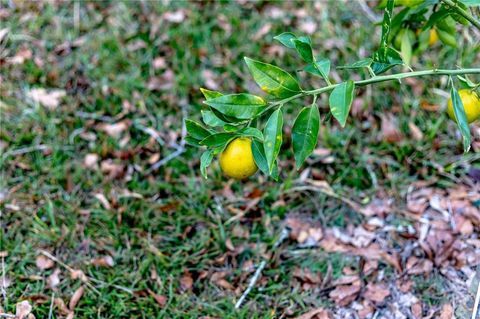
(237, 160)
(471, 104)
(433, 37)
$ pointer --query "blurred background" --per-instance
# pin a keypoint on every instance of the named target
(105, 213)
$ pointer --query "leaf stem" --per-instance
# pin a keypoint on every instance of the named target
(382, 78)
(462, 12)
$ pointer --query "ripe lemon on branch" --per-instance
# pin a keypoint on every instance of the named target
(471, 104)
(236, 160)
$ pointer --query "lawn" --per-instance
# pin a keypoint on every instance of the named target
(105, 214)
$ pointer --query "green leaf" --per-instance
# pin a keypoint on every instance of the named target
(196, 130)
(261, 161)
(392, 58)
(319, 68)
(364, 63)
(210, 94)
(461, 118)
(250, 132)
(192, 141)
(304, 49)
(406, 48)
(217, 140)
(340, 101)
(466, 82)
(273, 79)
(471, 3)
(205, 161)
(305, 133)
(286, 39)
(240, 106)
(210, 119)
(273, 137)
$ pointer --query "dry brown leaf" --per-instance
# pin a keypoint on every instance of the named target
(61, 306)
(54, 279)
(91, 160)
(174, 16)
(22, 309)
(160, 299)
(345, 294)
(112, 169)
(103, 200)
(159, 63)
(77, 295)
(105, 261)
(417, 310)
(78, 274)
(50, 100)
(415, 132)
(376, 292)
(264, 30)
(389, 129)
(415, 266)
(162, 82)
(44, 262)
(186, 282)
(114, 130)
(446, 312)
(318, 313)
(308, 26)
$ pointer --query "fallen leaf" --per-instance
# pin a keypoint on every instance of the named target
(159, 63)
(77, 295)
(175, 16)
(3, 33)
(50, 100)
(112, 169)
(318, 313)
(264, 30)
(53, 280)
(162, 82)
(115, 130)
(22, 309)
(417, 310)
(446, 312)
(415, 131)
(160, 299)
(78, 274)
(105, 261)
(61, 306)
(91, 160)
(308, 26)
(345, 294)
(44, 262)
(186, 282)
(376, 292)
(103, 200)
(389, 129)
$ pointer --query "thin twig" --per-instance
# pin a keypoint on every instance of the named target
(7, 315)
(150, 131)
(477, 300)
(25, 150)
(4, 281)
(283, 235)
(50, 312)
(463, 13)
(372, 16)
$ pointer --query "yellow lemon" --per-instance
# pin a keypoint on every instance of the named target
(237, 160)
(471, 104)
(433, 37)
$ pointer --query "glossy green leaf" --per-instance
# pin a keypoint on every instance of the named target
(461, 118)
(305, 133)
(406, 48)
(392, 59)
(286, 39)
(320, 68)
(304, 49)
(364, 63)
(340, 101)
(196, 130)
(471, 3)
(273, 137)
(251, 132)
(240, 106)
(210, 119)
(217, 140)
(273, 79)
(210, 94)
(261, 161)
(192, 141)
(205, 161)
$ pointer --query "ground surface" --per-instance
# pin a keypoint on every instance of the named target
(383, 220)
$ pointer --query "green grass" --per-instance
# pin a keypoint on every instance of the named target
(55, 192)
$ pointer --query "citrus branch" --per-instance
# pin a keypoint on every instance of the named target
(382, 78)
(462, 12)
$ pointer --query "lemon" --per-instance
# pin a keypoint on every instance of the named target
(236, 160)
(471, 104)
(433, 37)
